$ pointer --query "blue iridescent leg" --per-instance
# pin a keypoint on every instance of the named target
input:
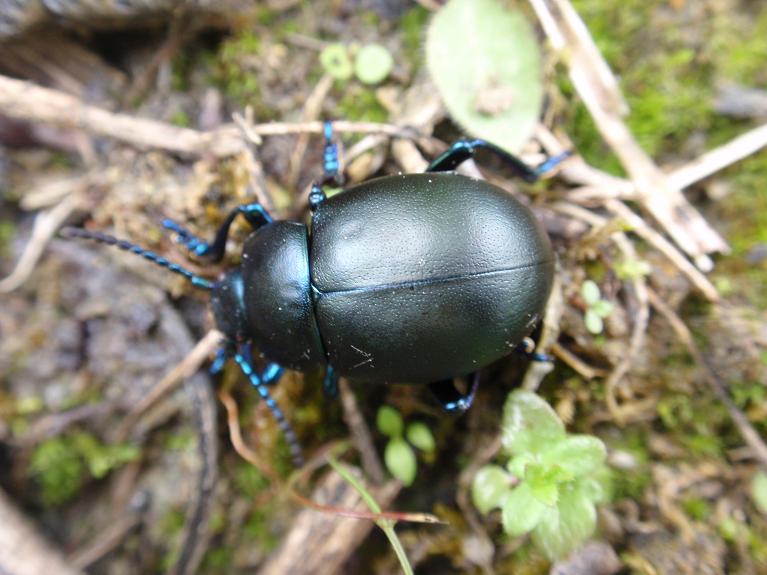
(330, 382)
(527, 348)
(450, 398)
(254, 213)
(242, 357)
(462, 150)
(330, 168)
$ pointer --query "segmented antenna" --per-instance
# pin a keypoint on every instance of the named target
(196, 280)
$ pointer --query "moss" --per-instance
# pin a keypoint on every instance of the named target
(359, 104)
(58, 470)
(7, 231)
(249, 480)
(697, 508)
(180, 118)
(412, 27)
(235, 73)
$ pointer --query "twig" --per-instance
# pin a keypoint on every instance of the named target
(46, 225)
(746, 430)
(576, 363)
(183, 370)
(552, 319)
(26, 101)
(360, 433)
(719, 158)
(587, 71)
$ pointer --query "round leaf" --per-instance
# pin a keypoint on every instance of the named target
(522, 511)
(373, 64)
(400, 460)
(420, 435)
(389, 421)
(336, 62)
(593, 322)
(485, 61)
(759, 491)
(602, 308)
(491, 484)
(530, 425)
(561, 531)
(590, 292)
(578, 454)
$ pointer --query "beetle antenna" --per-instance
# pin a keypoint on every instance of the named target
(255, 380)
(196, 280)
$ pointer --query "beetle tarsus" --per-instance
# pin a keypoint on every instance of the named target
(330, 382)
(450, 398)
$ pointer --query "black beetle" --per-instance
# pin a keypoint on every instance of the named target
(414, 278)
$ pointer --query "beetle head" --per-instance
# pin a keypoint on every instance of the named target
(228, 303)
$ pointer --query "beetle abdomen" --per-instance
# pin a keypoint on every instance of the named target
(422, 277)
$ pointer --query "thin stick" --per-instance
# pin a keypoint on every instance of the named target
(360, 433)
(183, 370)
(746, 430)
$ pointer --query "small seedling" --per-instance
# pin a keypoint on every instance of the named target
(552, 483)
(597, 308)
(372, 63)
(399, 456)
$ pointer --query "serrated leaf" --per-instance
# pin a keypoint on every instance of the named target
(336, 62)
(593, 322)
(578, 454)
(485, 61)
(590, 292)
(530, 425)
(373, 64)
(389, 421)
(759, 491)
(522, 511)
(490, 486)
(400, 460)
(561, 531)
(420, 435)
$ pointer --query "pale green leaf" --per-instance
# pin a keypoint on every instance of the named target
(602, 308)
(389, 421)
(530, 425)
(491, 484)
(517, 466)
(484, 59)
(574, 521)
(400, 460)
(522, 511)
(336, 62)
(593, 322)
(579, 454)
(590, 292)
(373, 64)
(759, 491)
(420, 435)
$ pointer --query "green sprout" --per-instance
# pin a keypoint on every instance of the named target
(597, 308)
(552, 482)
(372, 63)
(399, 456)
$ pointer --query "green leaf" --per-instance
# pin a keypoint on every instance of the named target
(389, 421)
(590, 292)
(522, 511)
(336, 62)
(485, 61)
(574, 521)
(597, 486)
(519, 464)
(490, 486)
(759, 491)
(593, 322)
(400, 460)
(578, 454)
(373, 64)
(602, 308)
(420, 435)
(530, 425)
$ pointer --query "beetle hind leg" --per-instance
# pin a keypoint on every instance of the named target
(463, 150)
(450, 398)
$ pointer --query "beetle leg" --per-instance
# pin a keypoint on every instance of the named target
(450, 398)
(527, 348)
(330, 163)
(254, 213)
(259, 381)
(330, 382)
(463, 150)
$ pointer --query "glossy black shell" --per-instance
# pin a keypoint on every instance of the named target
(419, 278)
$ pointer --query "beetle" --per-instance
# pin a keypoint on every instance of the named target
(410, 278)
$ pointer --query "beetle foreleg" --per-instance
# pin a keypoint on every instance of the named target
(330, 382)
(254, 213)
(463, 150)
(450, 398)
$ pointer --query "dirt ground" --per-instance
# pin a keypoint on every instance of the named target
(113, 445)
